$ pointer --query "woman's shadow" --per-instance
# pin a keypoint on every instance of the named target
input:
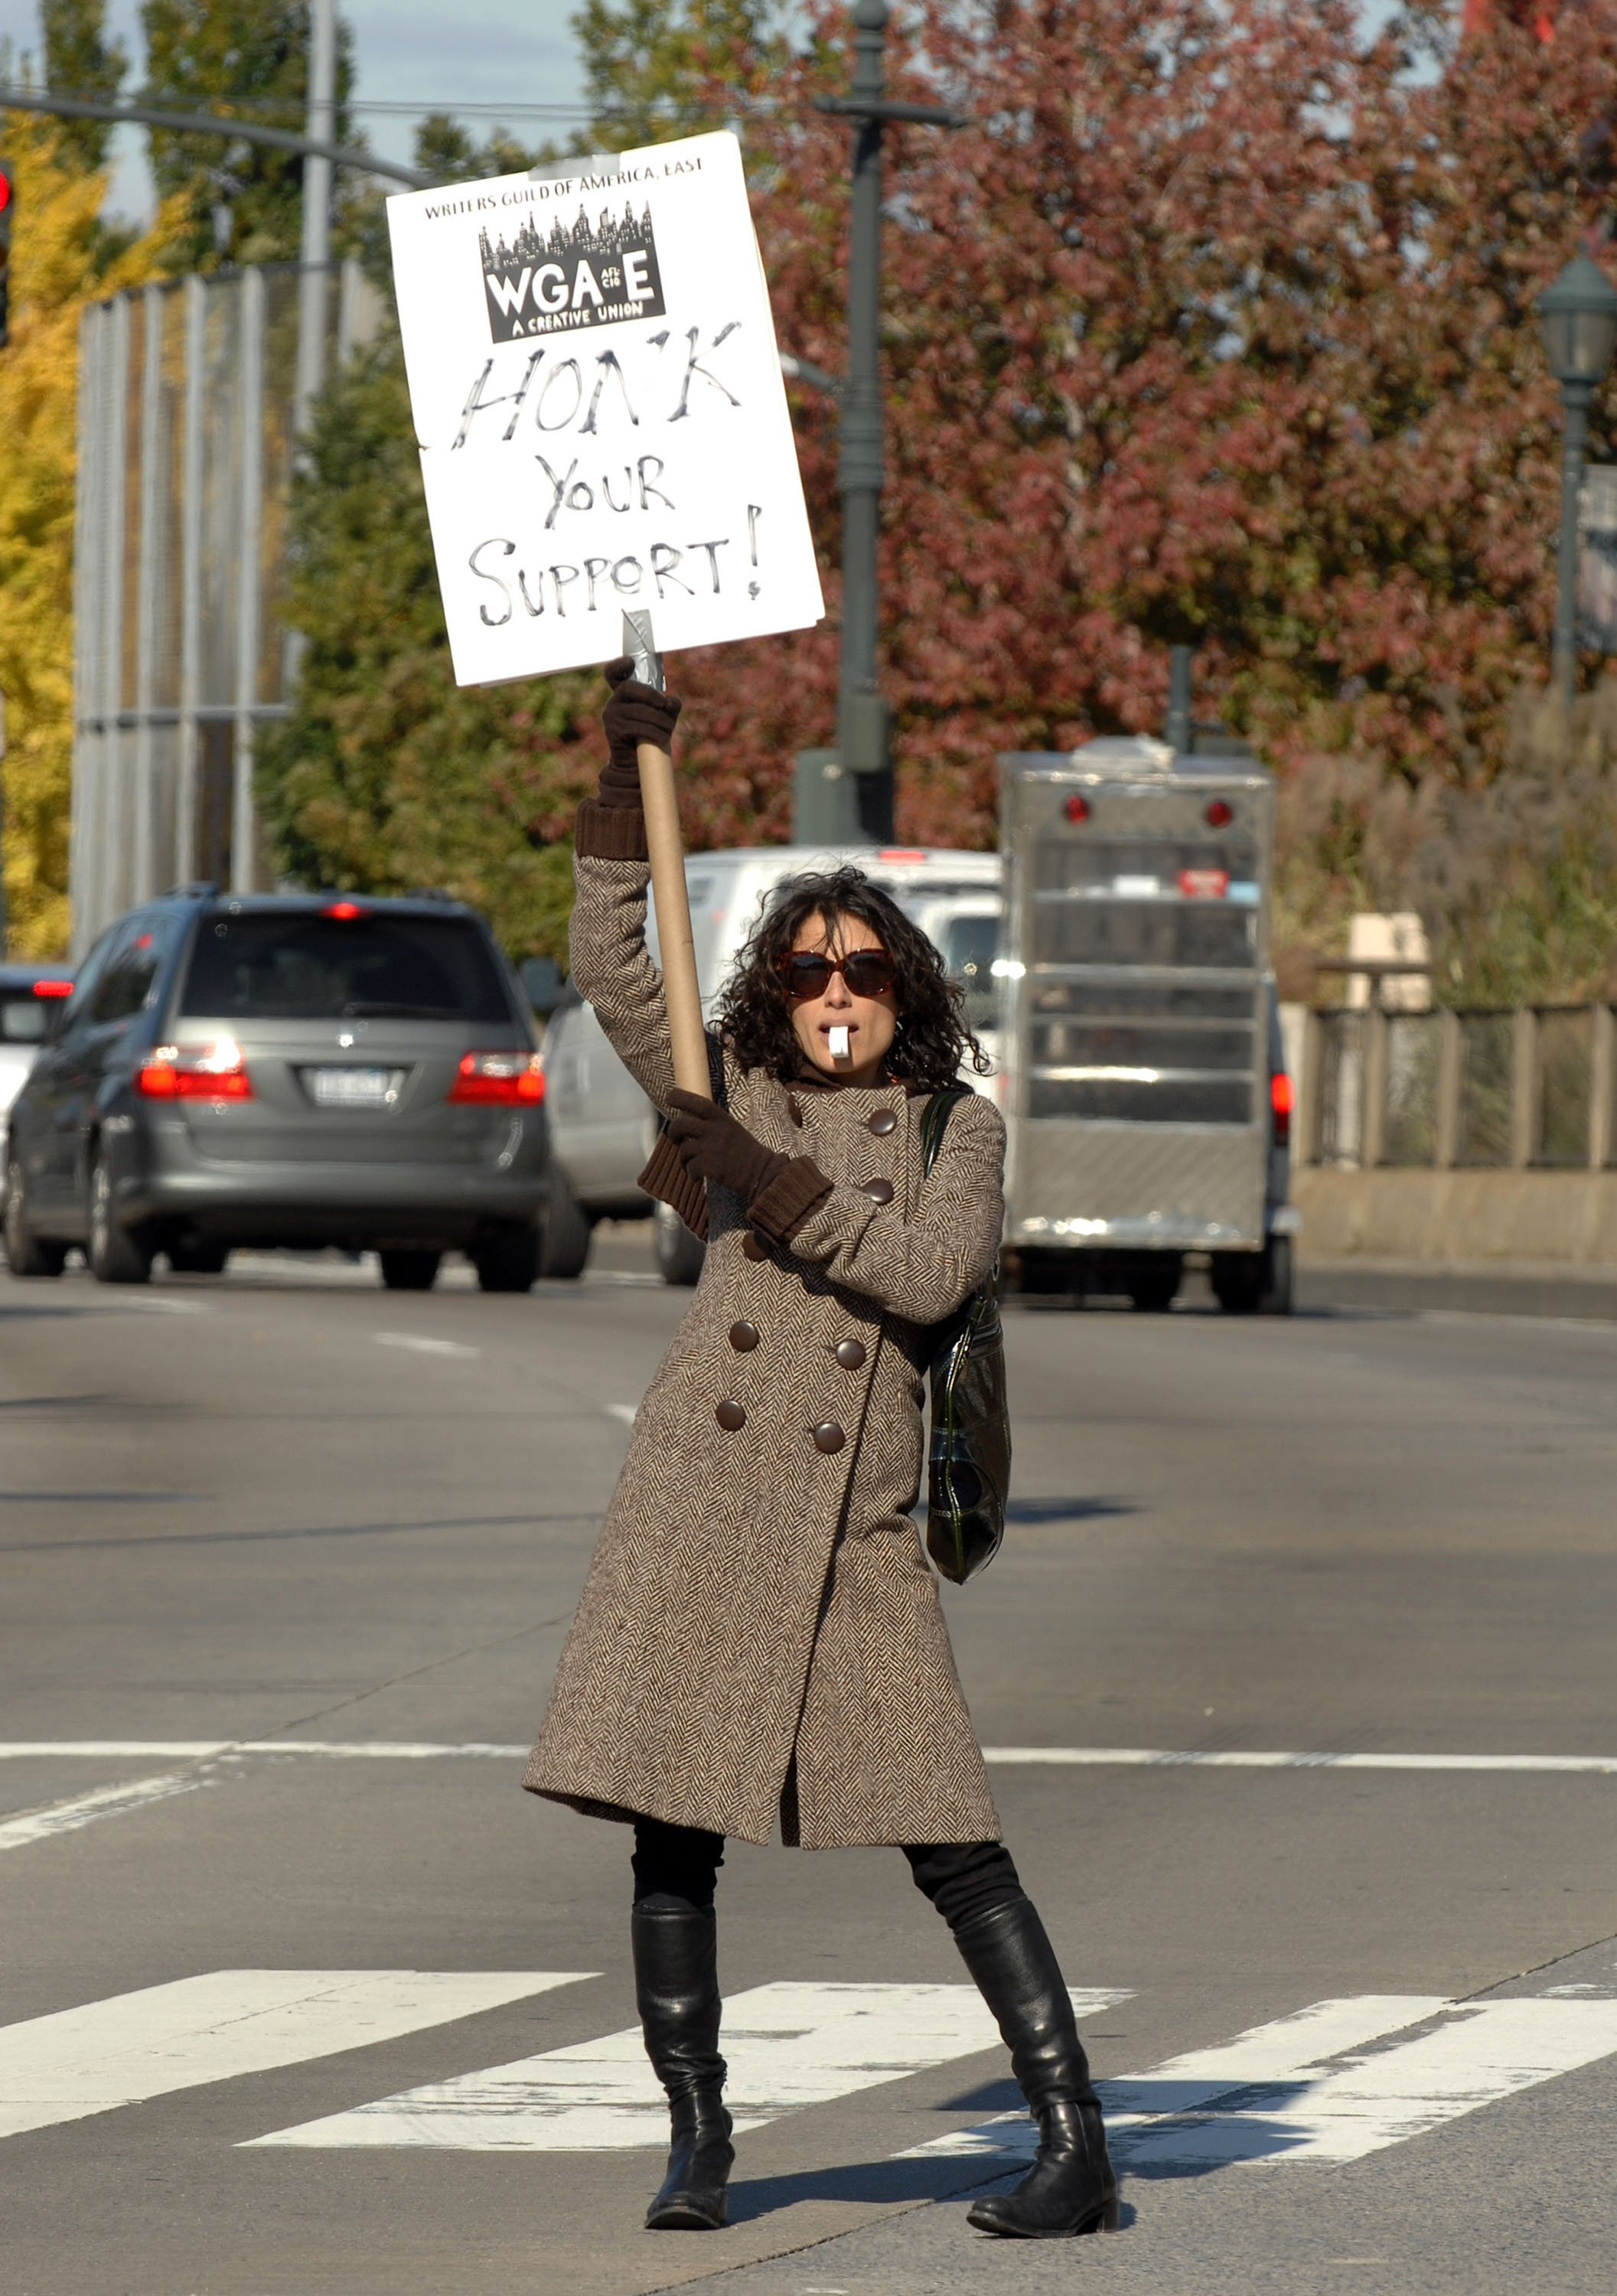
(908, 2181)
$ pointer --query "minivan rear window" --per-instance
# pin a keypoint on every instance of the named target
(23, 1017)
(304, 965)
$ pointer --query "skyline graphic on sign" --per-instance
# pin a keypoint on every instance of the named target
(578, 276)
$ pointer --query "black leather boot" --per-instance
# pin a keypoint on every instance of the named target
(677, 1987)
(1070, 2187)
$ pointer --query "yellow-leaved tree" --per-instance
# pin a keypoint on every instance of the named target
(62, 259)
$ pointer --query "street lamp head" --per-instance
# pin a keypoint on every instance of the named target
(1578, 322)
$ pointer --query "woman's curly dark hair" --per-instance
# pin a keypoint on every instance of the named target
(755, 1013)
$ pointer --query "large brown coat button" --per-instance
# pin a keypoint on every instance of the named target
(743, 1337)
(880, 1192)
(849, 1354)
(730, 1415)
(752, 1249)
(828, 1436)
(882, 1123)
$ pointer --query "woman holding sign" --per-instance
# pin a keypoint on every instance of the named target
(759, 1640)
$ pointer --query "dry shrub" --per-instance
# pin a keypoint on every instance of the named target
(1515, 880)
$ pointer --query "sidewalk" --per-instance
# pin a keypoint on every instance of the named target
(1484, 1287)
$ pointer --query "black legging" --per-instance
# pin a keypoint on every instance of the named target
(961, 1878)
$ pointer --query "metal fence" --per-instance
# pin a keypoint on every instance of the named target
(1443, 1091)
(185, 445)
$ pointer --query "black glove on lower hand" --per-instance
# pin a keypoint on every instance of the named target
(635, 713)
(713, 1145)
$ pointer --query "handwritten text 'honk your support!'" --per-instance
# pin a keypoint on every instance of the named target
(555, 398)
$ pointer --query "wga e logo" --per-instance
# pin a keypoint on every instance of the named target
(578, 277)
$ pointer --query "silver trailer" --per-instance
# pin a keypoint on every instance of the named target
(1146, 1085)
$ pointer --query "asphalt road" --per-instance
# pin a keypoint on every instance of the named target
(243, 1520)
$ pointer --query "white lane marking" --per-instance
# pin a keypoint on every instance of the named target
(112, 1749)
(379, 1750)
(623, 1411)
(1472, 2057)
(1058, 1757)
(787, 2046)
(154, 1302)
(1156, 1757)
(418, 1345)
(1288, 2047)
(228, 2023)
(83, 1810)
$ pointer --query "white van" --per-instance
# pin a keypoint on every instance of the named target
(602, 1126)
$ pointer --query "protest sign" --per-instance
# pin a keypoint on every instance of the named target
(599, 407)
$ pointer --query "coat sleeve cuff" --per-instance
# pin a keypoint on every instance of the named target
(610, 832)
(787, 1197)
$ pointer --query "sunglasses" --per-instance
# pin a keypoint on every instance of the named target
(807, 972)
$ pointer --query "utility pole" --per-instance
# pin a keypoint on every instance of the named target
(312, 282)
(863, 715)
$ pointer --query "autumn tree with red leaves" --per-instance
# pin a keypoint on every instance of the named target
(1215, 326)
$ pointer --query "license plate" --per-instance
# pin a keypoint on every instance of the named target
(352, 1088)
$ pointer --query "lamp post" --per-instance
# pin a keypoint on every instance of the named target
(1578, 321)
(862, 712)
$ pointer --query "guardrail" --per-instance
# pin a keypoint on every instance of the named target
(1531, 1089)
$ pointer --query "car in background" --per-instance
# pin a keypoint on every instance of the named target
(295, 1071)
(31, 999)
(602, 1125)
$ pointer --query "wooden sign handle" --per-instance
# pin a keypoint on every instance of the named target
(679, 948)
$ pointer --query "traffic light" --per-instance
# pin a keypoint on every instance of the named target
(8, 201)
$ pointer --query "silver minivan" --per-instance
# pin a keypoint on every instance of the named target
(295, 1071)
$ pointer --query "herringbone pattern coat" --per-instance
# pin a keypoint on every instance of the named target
(760, 1634)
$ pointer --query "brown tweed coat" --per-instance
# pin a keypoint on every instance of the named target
(759, 1635)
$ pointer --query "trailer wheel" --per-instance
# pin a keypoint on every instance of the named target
(1155, 1288)
(1255, 1283)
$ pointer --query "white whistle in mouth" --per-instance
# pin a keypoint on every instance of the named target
(838, 1044)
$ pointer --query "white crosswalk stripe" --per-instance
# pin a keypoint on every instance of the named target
(1334, 2082)
(1315, 2086)
(230, 2021)
(787, 2046)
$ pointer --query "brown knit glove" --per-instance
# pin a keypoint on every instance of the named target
(779, 1191)
(634, 713)
(713, 1145)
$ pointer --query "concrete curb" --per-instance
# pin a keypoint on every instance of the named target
(1401, 1286)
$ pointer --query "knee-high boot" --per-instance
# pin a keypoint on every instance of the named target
(1070, 2187)
(677, 1987)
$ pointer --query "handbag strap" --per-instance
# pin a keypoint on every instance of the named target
(934, 1122)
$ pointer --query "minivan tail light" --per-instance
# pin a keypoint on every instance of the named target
(1280, 1105)
(215, 1071)
(52, 989)
(512, 1079)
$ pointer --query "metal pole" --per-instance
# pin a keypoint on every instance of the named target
(862, 714)
(312, 301)
(250, 548)
(1575, 407)
(1175, 732)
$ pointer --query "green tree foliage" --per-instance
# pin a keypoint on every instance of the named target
(79, 60)
(650, 67)
(387, 777)
(241, 202)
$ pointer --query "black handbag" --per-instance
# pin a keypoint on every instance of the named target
(969, 1467)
